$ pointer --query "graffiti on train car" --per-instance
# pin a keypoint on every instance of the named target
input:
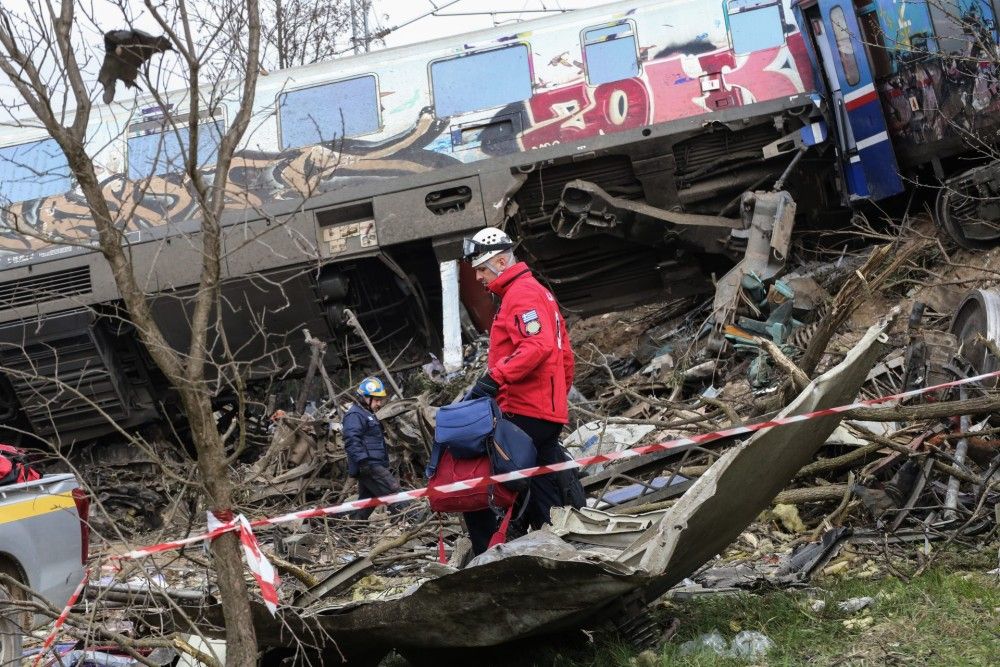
(687, 68)
(670, 88)
(940, 97)
(938, 85)
(254, 178)
(678, 86)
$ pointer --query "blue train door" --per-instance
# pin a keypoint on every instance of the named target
(867, 157)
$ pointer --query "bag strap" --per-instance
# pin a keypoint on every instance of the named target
(500, 536)
(525, 500)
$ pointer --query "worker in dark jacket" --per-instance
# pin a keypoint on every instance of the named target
(530, 367)
(367, 455)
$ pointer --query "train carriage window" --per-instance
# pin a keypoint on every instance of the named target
(610, 53)
(755, 25)
(348, 108)
(479, 81)
(845, 47)
(962, 26)
(33, 170)
(156, 147)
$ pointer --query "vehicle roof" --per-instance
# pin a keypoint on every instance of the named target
(353, 64)
(391, 54)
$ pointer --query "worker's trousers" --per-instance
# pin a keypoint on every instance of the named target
(375, 481)
(545, 490)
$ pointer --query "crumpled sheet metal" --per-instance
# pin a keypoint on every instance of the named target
(528, 587)
(591, 527)
(540, 584)
(532, 586)
(742, 483)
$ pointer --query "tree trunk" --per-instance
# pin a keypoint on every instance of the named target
(241, 638)
(185, 372)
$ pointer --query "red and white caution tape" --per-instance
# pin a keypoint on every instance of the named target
(62, 619)
(537, 471)
(263, 571)
(265, 574)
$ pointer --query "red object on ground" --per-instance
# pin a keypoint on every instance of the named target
(14, 468)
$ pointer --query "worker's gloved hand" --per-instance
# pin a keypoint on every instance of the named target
(364, 467)
(486, 386)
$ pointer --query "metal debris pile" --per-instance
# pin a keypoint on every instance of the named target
(134, 487)
(780, 506)
(889, 479)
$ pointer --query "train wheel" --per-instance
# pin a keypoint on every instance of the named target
(978, 319)
(968, 209)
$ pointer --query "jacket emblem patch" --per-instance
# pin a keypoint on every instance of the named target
(532, 327)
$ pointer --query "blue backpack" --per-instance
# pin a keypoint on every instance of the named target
(463, 428)
(511, 449)
(476, 428)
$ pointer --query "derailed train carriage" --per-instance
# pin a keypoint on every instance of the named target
(632, 149)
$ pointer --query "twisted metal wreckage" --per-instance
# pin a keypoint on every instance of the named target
(601, 186)
(635, 150)
(589, 565)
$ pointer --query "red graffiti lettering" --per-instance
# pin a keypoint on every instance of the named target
(676, 93)
(578, 111)
(765, 75)
(672, 88)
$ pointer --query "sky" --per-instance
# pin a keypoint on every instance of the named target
(401, 11)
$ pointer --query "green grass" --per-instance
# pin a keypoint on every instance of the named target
(950, 615)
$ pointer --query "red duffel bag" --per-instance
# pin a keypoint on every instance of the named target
(14, 468)
(450, 470)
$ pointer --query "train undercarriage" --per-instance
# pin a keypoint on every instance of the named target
(661, 216)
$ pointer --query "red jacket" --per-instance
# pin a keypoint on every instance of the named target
(530, 354)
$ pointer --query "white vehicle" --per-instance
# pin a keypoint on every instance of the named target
(44, 541)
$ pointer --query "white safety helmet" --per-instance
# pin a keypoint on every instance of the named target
(486, 244)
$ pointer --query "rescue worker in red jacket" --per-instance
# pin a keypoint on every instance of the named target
(529, 366)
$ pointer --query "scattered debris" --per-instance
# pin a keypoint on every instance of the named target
(711, 641)
(788, 506)
(600, 438)
(859, 623)
(854, 605)
(601, 557)
(749, 645)
(746, 645)
(789, 517)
